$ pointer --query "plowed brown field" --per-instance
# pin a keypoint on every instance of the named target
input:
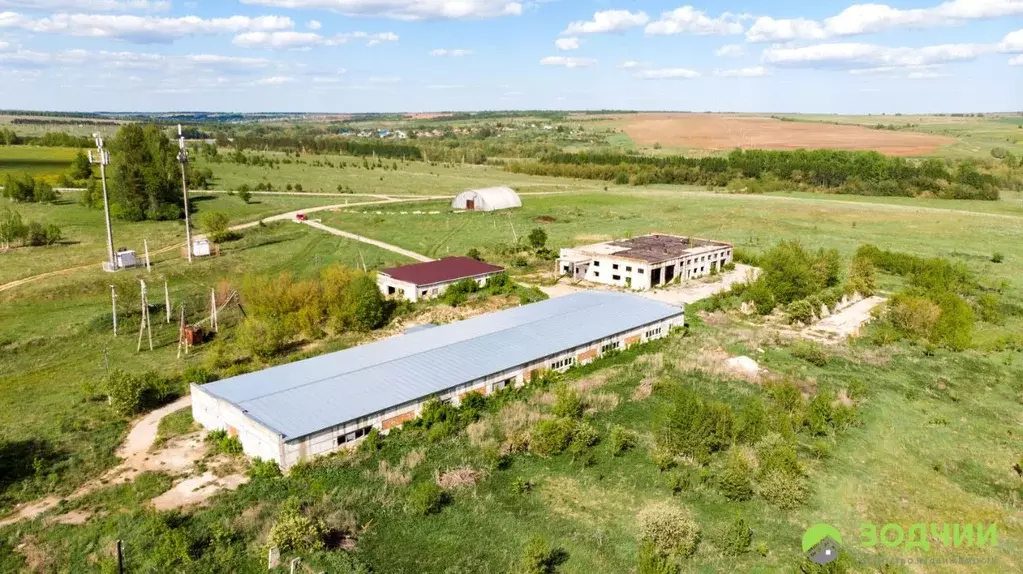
(723, 132)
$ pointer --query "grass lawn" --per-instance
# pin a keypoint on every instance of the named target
(411, 178)
(750, 222)
(45, 162)
(84, 231)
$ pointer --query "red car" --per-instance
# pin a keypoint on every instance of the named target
(300, 217)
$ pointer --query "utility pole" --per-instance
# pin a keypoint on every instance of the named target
(146, 243)
(183, 160)
(113, 299)
(166, 301)
(103, 159)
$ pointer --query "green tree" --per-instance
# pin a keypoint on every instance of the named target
(363, 305)
(81, 169)
(144, 178)
(538, 238)
(539, 557)
(12, 227)
(215, 225)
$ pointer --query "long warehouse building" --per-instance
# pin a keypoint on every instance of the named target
(291, 412)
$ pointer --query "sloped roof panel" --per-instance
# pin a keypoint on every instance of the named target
(306, 396)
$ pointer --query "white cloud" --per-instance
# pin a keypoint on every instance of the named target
(287, 39)
(445, 87)
(767, 29)
(869, 18)
(630, 64)
(90, 5)
(326, 80)
(405, 9)
(567, 62)
(1012, 43)
(571, 43)
(667, 74)
(1017, 61)
(608, 21)
(448, 52)
(927, 75)
(851, 55)
(274, 81)
(141, 29)
(304, 40)
(891, 69)
(313, 25)
(688, 20)
(384, 80)
(161, 63)
(731, 51)
(756, 72)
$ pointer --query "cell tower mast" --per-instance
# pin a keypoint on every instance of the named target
(183, 160)
(103, 159)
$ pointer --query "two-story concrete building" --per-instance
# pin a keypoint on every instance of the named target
(646, 261)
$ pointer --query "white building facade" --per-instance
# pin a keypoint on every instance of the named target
(645, 262)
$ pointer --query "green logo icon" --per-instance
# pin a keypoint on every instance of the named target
(821, 543)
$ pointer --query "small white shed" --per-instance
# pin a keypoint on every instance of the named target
(487, 199)
(126, 258)
(201, 248)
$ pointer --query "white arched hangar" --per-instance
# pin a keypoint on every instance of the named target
(487, 199)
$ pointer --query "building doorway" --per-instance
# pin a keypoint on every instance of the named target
(655, 276)
(470, 204)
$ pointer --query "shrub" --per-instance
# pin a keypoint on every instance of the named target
(130, 394)
(550, 437)
(363, 306)
(264, 339)
(264, 468)
(819, 414)
(811, 352)
(215, 225)
(752, 423)
(862, 277)
(914, 316)
(761, 297)
(294, 531)
(782, 490)
(997, 257)
(474, 253)
(737, 537)
(621, 439)
(244, 194)
(801, 311)
(426, 498)
(670, 528)
(537, 238)
(694, 427)
(539, 557)
(776, 454)
(567, 403)
(734, 478)
(650, 561)
(220, 443)
(954, 328)
(584, 435)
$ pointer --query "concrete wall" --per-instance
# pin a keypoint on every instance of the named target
(638, 275)
(214, 413)
(412, 292)
(326, 441)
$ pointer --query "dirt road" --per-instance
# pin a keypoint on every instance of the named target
(380, 244)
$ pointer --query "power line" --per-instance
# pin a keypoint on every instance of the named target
(103, 159)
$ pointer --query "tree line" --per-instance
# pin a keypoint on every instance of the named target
(853, 172)
(49, 139)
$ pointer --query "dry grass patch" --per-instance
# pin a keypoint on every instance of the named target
(413, 458)
(644, 390)
(601, 402)
(458, 477)
(393, 475)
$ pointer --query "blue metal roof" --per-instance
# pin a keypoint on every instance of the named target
(307, 396)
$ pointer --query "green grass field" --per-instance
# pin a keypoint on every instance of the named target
(936, 441)
(45, 162)
(85, 233)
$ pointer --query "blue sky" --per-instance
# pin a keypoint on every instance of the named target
(431, 55)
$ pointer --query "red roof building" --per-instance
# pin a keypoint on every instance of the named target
(424, 280)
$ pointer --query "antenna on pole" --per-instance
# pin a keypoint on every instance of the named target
(183, 160)
(103, 159)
